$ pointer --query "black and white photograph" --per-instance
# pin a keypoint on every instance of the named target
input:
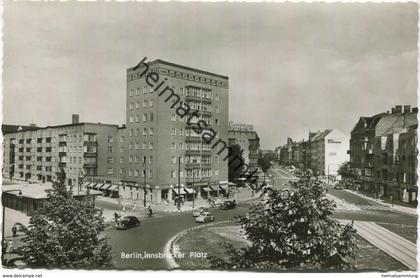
(259, 137)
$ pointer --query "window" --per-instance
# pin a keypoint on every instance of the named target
(173, 146)
(121, 160)
(150, 145)
(110, 160)
(151, 117)
(136, 173)
(173, 131)
(131, 92)
(150, 103)
(130, 172)
(130, 145)
(137, 118)
(150, 174)
(110, 139)
(121, 171)
(130, 133)
(121, 149)
(144, 131)
(180, 146)
(136, 132)
(138, 91)
(173, 160)
(143, 145)
(136, 159)
(173, 174)
(144, 90)
(181, 132)
(122, 139)
(150, 159)
(110, 171)
(144, 103)
(136, 146)
(150, 130)
(130, 159)
(110, 149)
(144, 117)
(216, 121)
(131, 119)
(131, 105)
(216, 172)
(137, 104)
(173, 118)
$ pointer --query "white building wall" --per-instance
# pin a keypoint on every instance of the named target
(336, 146)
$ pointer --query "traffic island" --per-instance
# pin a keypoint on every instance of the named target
(209, 239)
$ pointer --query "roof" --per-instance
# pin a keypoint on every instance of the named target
(368, 123)
(395, 123)
(321, 135)
(6, 129)
(30, 128)
(159, 61)
(39, 191)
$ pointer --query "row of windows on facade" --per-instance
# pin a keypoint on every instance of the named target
(197, 92)
(61, 138)
(198, 173)
(70, 149)
(194, 159)
(67, 170)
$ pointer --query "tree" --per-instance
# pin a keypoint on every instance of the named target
(345, 171)
(265, 162)
(235, 165)
(292, 229)
(66, 233)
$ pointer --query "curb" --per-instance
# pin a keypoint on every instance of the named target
(383, 203)
(168, 250)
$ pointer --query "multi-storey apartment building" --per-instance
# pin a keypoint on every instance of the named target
(383, 152)
(328, 151)
(163, 149)
(245, 136)
(81, 149)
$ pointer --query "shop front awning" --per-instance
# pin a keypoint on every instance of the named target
(207, 189)
(97, 185)
(89, 184)
(105, 186)
(214, 187)
(190, 190)
(181, 191)
(224, 187)
(113, 187)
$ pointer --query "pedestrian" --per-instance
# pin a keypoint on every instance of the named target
(14, 230)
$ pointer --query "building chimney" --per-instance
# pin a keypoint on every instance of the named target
(75, 118)
(407, 108)
(398, 109)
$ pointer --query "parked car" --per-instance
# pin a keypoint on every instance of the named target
(199, 211)
(205, 217)
(127, 222)
(338, 187)
(228, 205)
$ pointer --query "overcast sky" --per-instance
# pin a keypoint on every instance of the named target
(292, 67)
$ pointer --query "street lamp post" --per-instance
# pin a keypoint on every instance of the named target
(179, 183)
(3, 247)
(145, 180)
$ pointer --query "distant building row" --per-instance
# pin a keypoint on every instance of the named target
(323, 152)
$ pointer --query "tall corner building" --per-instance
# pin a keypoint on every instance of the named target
(158, 138)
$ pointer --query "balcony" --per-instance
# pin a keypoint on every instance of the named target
(192, 138)
(90, 165)
(192, 165)
(201, 99)
(192, 152)
(62, 143)
(90, 154)
(90, 143)
(196, 179)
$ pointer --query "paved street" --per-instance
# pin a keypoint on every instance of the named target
(154, 232)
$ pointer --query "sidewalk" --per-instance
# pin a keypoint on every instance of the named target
(399, 208)
(389, 242)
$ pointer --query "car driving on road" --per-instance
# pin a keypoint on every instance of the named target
(199, 211)
(205, 217)
(228, 205)
(127, 222)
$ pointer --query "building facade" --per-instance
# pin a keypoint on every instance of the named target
(248, 140)
(81, 149)
(383, 151)
(163, 150)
